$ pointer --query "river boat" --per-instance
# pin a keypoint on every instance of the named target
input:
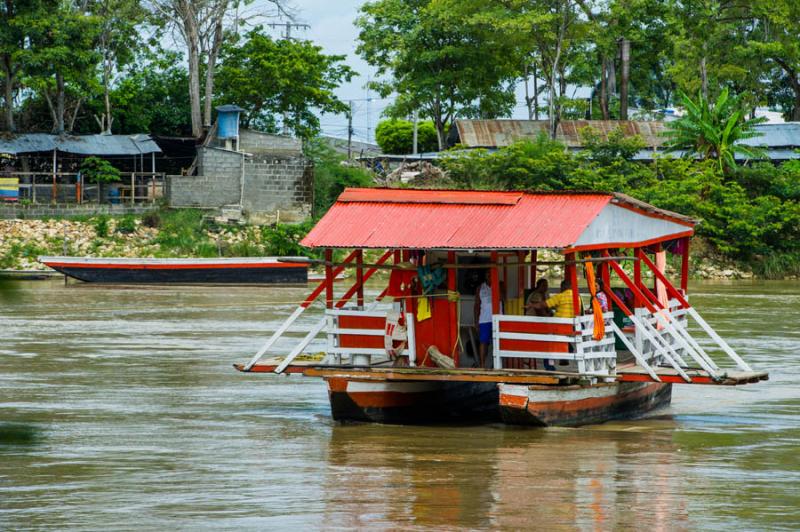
(229, 270)
(410, 355)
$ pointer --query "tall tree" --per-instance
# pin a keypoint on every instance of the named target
(61, 59)
(12, 43)
(120, 24)
(775, 40)
(200, 26)
(439, 57)
(269, 78)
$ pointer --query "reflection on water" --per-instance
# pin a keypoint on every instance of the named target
(119, 408)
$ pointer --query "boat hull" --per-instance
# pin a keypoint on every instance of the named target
(413, 403)
(573, 406)
(418, 402)
(200, 271)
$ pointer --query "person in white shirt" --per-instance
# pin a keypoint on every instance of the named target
(483, 316)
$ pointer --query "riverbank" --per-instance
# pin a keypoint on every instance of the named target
(190, 233)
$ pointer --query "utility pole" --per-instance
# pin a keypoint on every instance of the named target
(350, 131)
(414, 146)
(287, 35)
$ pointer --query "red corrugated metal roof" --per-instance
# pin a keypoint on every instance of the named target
(401, 221)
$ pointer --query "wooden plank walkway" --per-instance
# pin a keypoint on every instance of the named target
(311, 367)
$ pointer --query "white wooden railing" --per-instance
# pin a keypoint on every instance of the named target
(544, 338)
(358, 336)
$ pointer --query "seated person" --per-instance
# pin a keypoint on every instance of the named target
(539, 295)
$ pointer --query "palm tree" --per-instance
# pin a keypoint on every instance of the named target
(714, 131)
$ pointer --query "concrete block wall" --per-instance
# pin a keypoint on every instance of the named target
(256, 142)
(274, 183)
(216, 185)
(12, 211)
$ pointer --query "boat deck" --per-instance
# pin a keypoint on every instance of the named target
(634, 373)
(625, 373)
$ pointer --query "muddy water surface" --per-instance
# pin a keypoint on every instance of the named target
(119, 409)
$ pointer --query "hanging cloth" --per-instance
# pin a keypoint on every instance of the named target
(430, 278)
(661, 290)
(599, 330)
(423, 309)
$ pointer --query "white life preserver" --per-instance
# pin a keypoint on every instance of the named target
(395, 334)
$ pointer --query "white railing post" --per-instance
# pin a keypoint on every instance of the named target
(412, 340)
(497, 360)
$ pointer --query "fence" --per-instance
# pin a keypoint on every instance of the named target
(71, 188)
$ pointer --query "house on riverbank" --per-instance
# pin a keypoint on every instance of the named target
(247, 174)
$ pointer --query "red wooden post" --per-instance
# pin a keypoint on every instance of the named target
(452, 278)
(328, 278)
(521, 277)
(534, 273)
(637, 276)
(572, 276)
(360, 278)
(685, 266)
(495, 284)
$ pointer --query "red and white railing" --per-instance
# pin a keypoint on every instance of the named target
(360, 335)
(543, 338)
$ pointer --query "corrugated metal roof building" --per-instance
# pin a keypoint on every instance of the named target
(780, 140)
(101, 145)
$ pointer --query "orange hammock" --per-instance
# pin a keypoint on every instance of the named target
(599, 330)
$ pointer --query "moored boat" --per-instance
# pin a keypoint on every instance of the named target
(617, 344)
(229, 270)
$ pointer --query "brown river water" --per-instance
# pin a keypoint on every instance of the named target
(119, 410)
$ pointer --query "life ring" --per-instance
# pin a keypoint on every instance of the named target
(395, 334)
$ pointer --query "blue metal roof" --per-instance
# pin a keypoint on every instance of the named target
(81, 145)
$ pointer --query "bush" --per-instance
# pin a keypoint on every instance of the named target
(284, 239)
(396, 137)
(101, 226)
(126, 224)
(99, 170)
(151, 219)
(332, 176)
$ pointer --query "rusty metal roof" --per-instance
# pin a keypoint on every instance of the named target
(499, 133)
(448, 219)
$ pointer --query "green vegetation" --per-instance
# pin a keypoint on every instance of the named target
(714, 131)
(332, 175)
(397, 136)
(269, 78)
(749, 214)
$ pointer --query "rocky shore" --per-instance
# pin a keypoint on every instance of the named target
(21, 241)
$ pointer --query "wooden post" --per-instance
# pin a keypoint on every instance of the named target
(33, 188)
(522, 279)
(328, 278)
(533, 272)
(452, 275)
(495, 284)
(54, 193)
(133, 186)
(572, 276)
(637, 277)
(685, 266)
(360, 278)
